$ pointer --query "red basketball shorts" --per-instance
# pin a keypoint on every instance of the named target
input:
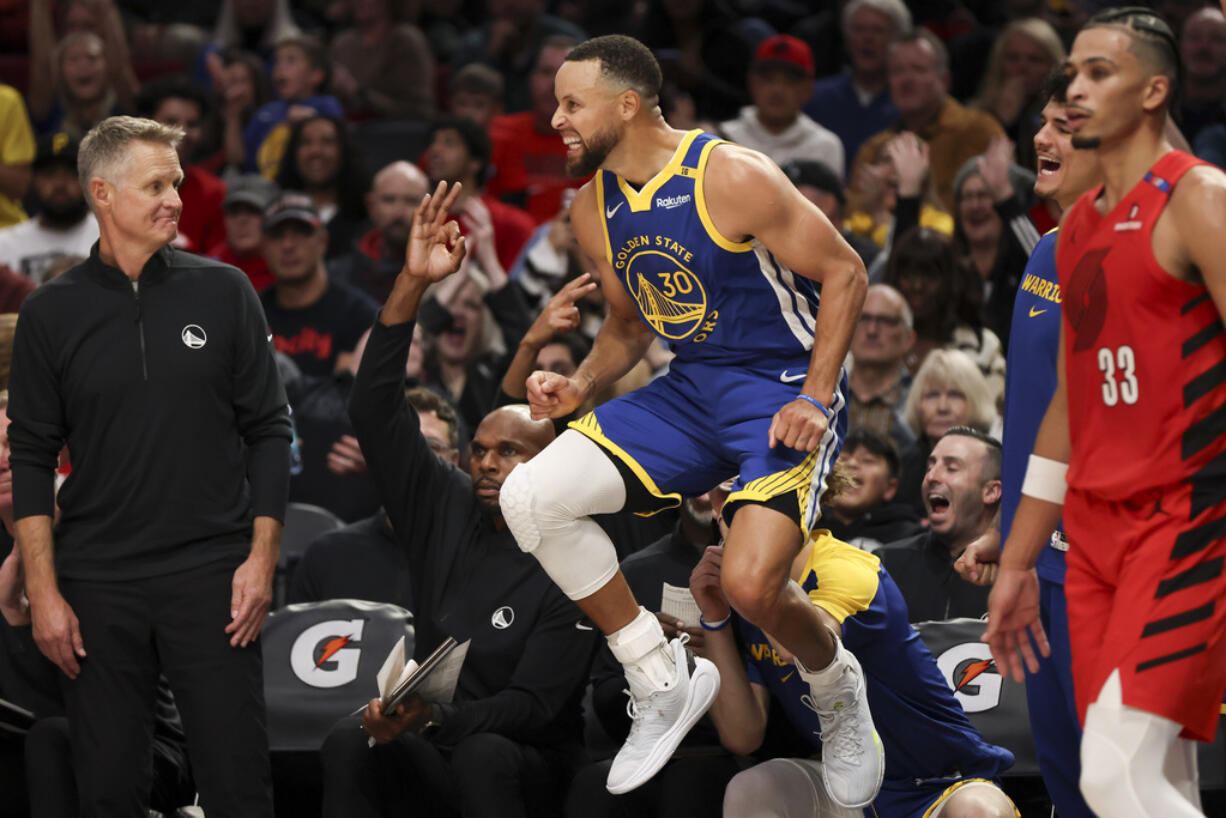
(1146, 595)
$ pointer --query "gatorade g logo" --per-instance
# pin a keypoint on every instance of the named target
(971, 674)
(323, 655)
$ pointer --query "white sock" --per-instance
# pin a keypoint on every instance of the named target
(645, 655)
(825, 677)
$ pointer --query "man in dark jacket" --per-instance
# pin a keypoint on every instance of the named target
(961, 492)
(156, 368)
(506, 743)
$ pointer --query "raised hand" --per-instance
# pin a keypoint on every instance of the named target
(435, 247)
(560, 314)
(994, 168)
(909, 155)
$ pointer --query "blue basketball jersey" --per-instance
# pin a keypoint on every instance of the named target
(1030, 381)
(710, 298)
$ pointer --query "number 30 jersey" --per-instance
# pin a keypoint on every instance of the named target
(710, 298)
(1145, 353)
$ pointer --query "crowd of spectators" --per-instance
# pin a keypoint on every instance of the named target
(314, 128)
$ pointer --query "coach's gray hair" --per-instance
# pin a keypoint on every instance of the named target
(104, 150)
(898, 13)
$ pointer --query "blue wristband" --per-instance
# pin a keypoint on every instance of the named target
(717, 626)
(829, 413)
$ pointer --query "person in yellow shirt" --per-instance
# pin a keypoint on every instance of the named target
(16, 154)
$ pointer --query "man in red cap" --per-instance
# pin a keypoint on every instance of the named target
(780, 83)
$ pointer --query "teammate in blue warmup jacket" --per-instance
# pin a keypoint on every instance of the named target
(1030, 379)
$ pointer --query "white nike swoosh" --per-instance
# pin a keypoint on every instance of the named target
(270, 337)
(609, 211)
(786, 378)
(581, 627)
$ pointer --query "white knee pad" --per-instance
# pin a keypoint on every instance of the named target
(546, 502)
(1123, 756)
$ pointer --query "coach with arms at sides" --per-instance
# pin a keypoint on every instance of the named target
(155, 367)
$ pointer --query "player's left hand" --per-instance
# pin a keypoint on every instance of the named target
(798, 425)
(1013, 620)
(250, 599)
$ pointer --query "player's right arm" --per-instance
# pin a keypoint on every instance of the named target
(1013, 605)
(619, 345)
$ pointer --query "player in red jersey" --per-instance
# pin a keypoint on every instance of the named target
(1136, 435)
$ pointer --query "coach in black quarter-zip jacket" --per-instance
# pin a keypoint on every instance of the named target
(155, 367)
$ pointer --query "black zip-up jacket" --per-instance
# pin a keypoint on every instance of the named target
(531, 649)
(167, 395)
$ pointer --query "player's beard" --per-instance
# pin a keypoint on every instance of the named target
(593, 155)
(1087, 143)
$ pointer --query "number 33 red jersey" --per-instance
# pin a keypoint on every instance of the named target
(1145, 353)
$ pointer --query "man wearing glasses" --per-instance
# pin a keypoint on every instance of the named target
(878, 382)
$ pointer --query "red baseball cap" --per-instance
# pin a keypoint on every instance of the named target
(786, 49)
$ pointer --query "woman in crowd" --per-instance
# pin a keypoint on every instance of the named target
(321, 161)
(83, 78)
(993, 230)
(1022, 57)
(948, 391)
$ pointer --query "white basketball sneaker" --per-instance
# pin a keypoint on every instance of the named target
(853, 760)
(661, 719)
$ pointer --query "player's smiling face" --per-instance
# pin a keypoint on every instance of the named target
(587, 116)
(1063, 173)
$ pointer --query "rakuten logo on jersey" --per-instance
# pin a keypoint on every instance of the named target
(324, 654)
(971, 674)
(669, 202)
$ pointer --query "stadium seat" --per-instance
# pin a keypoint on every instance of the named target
(303, 523)
(320, 664)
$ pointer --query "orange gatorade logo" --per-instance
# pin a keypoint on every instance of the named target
(972, 676)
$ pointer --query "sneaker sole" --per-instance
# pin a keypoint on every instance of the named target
(704, 687)
(880, 777)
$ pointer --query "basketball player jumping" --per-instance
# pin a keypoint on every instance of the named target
(708, 246)
(1133, 444)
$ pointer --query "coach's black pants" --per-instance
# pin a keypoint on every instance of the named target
(484, 776)
(175, 624)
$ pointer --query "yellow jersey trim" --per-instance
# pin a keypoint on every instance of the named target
(589, 426)
(700, 203)
(781, 482)
(1053, 230)
(640, 200)
(604, 222)
(848, 578)
(955, 787)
